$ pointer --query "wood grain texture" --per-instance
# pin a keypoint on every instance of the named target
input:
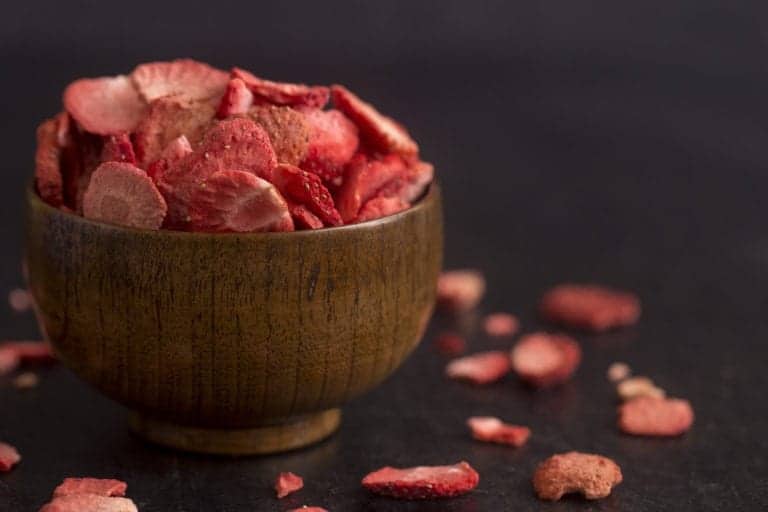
(233, 330)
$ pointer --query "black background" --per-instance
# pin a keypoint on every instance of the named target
(611, 141)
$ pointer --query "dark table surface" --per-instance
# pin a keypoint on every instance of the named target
(623, 144)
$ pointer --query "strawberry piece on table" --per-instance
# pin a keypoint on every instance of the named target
(237, 99)
(306, 188)
(450, 344)
(542, 359)
(459, 291)
(9, 457)
(184, 78)
(288, 483)
(493, 430)
(593, 476)
(48, 177)
(89, 503)
(34, 352)
(659, 417)
(288, 131)
(280, 93)
(333, 141)
(363, 178)
(99, 486)
(481, 368)
(589, 307)
(499, 325)
(106, 105)
(423, 482)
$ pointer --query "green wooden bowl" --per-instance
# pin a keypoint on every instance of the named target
(234, 343)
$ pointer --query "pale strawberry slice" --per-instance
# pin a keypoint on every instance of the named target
(100, 486)
(48, 177)
(590, 307)
(499, 325)
(9, 361)
(333, 141)
(481, 368)
(118, 148)
(237, 99)
(288, 483)
(660, 417)
(186, 78)
(35, 352)
(89, 503)
(280, 93)
(120, 193)
(238, 201)
(20, 300)
(493, 430)
(9, 457)
(363, 179)
(303, 218)
(106, 105)
(288, 131)
(423, 482)
(306, 188)
(459, 291)
(542, 359)
(381, 206)
(412, 184)
(381, 132)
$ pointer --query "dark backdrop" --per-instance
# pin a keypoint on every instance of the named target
(621, 142)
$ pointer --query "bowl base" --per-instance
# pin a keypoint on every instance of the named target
(294, 433)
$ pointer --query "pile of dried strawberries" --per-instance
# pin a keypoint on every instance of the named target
(181, 145)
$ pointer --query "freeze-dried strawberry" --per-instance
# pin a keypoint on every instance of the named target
(593, 476)
(303, 218)
(411, 185)
(380, 131)
(169, 118)
(333, 141)
(589, 307)
(306, 188)
(480, 368)
(48, 177)
(123, 194)
(362, 180)
(450, 344)
(177, 149)
(288, 131)
(20, 300)
(9, 361)
(381, 206)
(26, 380)
(423, 482)
(185, 78)
(493, 430)
(34, 352)
(9, 457)
(280, 93)
(238, 201)
(85, 158)
(634, 387)
(542, 359)
(618, 372)
(106, 105)
(460, 290)
(661, 417)
(500, 324)
(237, 99)
(89, 503)
(308, 509)
(288, 483)
(99, 486)
(118, 148)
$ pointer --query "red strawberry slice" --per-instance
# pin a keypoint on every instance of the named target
(493, 430)
(423, 482)
(288, 483)
(333, 142)
(238, 201)
(9, 457)
(660, 417)
(280, 93)
(288, 130)
(306, 188)
(177, 149)
(186, 78)
(459, 291)
(589, 307)
(543, 359)
(118, 148)
(363, 179)
(412, 184)
(481, 368)
(303, 218)
(48, 178)
(237, 99)
(106, 105)
(123, 194)
(35, 352)
(381, 206)
(380, 131)
(99, 486)
(89, 503)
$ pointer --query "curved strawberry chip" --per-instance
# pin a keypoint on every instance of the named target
(237, 99)
(123, 194)
(423, 482)
(590, 307)
(288, 131)
(303, 218)
(481, 368)
(118, 148)
(306, 188)
(186, 78)
(89, 503)
(382, 132)
(660, 417)
(9, 457)
(99, 486)
(493, 430)
(48, 177)
(288, 483)
(543, 359)
(381, 207)
(104, 106)
(333, 141)
(363, 179)
(238, 201)
(280, 93)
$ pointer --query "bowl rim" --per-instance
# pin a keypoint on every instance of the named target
(427, 199)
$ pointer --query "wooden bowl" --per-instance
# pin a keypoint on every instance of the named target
(234, 343)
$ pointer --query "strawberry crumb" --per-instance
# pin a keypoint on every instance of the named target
(618, 372)
(493, 430)
(500, 324)
(450, 344)
(26, 380)
(480, 368)
(543, 359)
(460, 290)
(634, 387)
(288, 483)
(9, 457)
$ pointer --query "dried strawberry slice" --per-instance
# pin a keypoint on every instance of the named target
(381, 206)
(118, 148)
(106, 105)
(35, 352)
(660, 417)
(99, 486)
(177, 149)
(500, 325)
(544, 359)
(363, 179)
(593, 476)
(48, 176)
(481, 368)
(9, 361)
(412, 184)
(89, 503)
(306, 188)
(460, 290)
(20, 300)
(493, 430)
(288, 483)
(380, 131)
(333, 141)
(423, 482)
(288, 131)
(590, 307)
(238, 201)
(9, 457)
(186, 78)
(303, 218)
(237, 99)
(123, 194)
(280, 93)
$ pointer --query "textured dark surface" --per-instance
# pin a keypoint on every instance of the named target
(621, 142)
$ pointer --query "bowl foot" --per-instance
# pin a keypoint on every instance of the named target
(294, 433)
